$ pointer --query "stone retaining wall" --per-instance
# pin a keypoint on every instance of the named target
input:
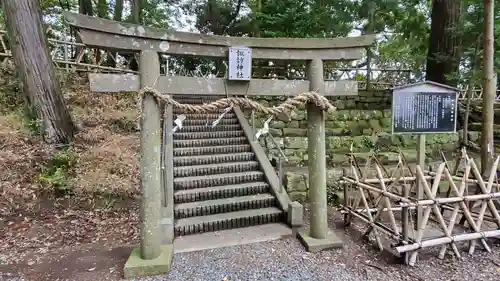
(296, 181)
(363, 121)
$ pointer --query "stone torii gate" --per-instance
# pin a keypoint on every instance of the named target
(155, 253)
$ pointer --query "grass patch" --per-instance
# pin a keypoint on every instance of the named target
(12, 103)
(56, 174)
(11, 97)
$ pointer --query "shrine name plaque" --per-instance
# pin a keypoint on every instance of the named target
(240, 63)
(422, 112)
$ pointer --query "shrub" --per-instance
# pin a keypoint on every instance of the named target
(56, 173)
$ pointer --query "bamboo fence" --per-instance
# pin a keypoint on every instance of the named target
(386, 204)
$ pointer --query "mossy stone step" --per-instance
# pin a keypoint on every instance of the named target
(209, 116)
(180, 135)
(224, 205)
(214, 180)
(230, 220)
(206, 150)
(213, 159)
(210, 142)
(209, 128)
(212, 169)
(219, 192)
(203, 122)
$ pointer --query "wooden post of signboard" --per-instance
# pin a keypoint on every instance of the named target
(419, 185)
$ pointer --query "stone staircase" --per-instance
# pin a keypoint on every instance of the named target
(218, 183)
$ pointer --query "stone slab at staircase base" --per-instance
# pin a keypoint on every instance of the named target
(231, 237)
(316, 245)
(137, 267)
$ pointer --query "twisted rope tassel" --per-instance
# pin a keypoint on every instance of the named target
(286, 107)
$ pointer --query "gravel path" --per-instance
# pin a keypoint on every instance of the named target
(287, 260)
(278, 260)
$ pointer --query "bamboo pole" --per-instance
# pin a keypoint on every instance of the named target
(390, 179)
(96, 66)
(369, 215)
(457, 178)
(380, 227)
(355, 170)
(429, 176)
(398, 209)
(454, 215)
(490, 203)
(447, 240)
(432, 204)
(406, 219)
(422, 223)
(465, 208)
(387, 202)
(484, 204)
(409, 202)
(374, 210)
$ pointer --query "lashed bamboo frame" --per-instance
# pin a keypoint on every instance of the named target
(456, 201)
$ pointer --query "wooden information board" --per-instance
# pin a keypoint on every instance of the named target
(424, 112)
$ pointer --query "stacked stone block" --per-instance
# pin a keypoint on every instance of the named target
(363, 122)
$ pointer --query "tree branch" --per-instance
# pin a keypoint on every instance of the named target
(233, 16)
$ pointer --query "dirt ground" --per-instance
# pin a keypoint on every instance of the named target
(87, 234)
(55, 242)
(38, 222)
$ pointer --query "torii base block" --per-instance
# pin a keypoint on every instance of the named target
(138, 267)
(315, 245)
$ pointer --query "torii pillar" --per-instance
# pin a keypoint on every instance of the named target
(318, 237)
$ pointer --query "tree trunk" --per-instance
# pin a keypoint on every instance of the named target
(102, 9)
(489, 88)
(443, 57)
(117, 16)
(118, 12)
(137, 6)
(137, 11)
(84, 8)
(470, 91)
(23, 19)
(260, 63)
(102, 12)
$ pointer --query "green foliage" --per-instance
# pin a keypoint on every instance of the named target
(333, 189)
(56, 173)
(12, 101)
(368, 142)
(29, 120)
(156, 13)
(11, 97)
(57, 180)
(403, 26)
(303, 18)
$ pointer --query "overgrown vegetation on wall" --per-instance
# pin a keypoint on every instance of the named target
(100, 163)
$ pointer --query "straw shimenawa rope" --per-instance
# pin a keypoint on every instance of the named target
(285, 107)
